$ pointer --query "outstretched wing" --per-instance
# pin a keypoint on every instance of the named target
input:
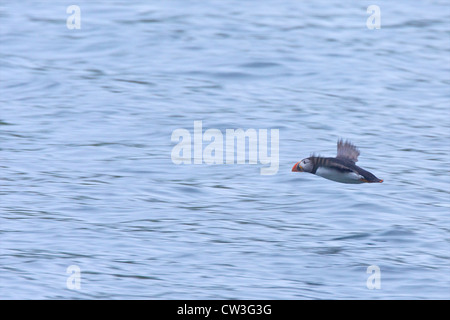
(346, 150)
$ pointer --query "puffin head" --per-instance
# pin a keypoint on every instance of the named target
(305, 165)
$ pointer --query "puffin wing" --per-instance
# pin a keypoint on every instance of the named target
(331, 163)
(347, 151)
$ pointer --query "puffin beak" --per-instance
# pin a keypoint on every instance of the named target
(297, 167)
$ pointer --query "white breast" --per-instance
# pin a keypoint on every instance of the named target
(335, 175)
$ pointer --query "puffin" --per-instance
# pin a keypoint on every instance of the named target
(342, 168)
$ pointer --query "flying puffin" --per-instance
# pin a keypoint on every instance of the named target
(341, 169)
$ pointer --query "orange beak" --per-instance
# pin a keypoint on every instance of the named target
(297, 168)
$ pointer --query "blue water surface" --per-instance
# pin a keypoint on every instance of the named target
(87, 178)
